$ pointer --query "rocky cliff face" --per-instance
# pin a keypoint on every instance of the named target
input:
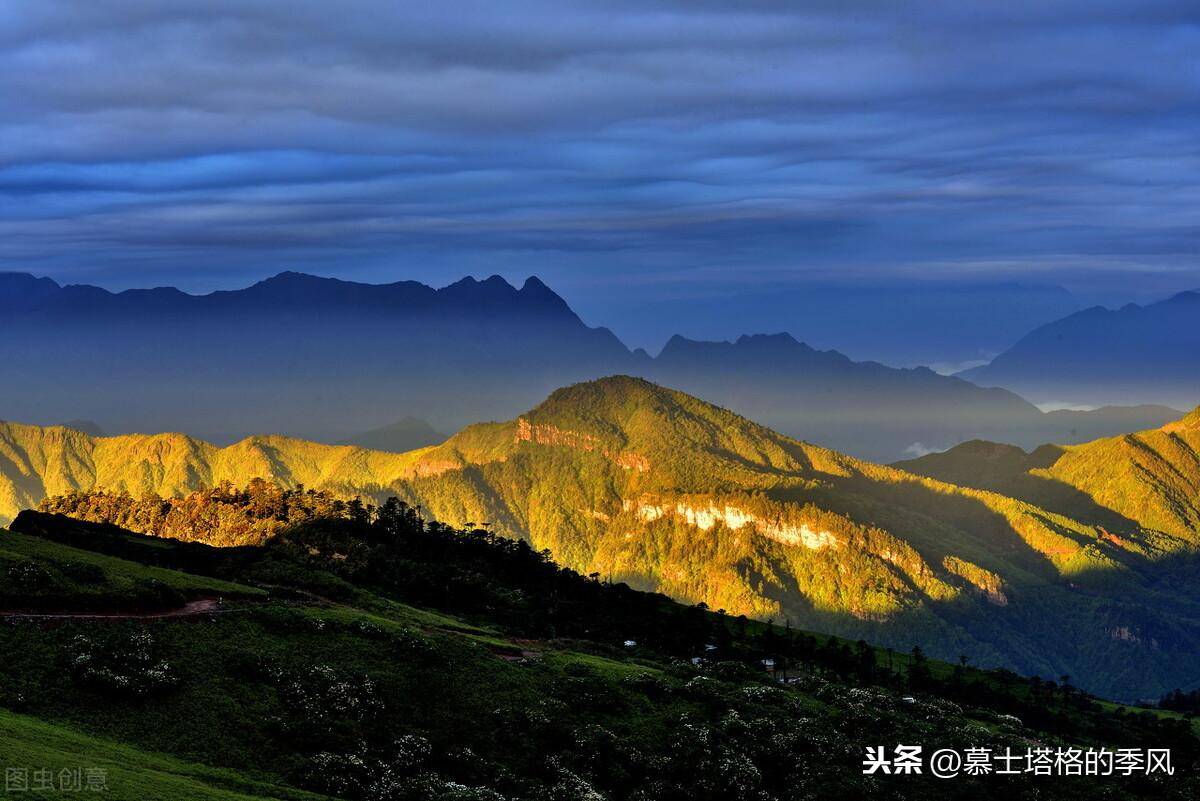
(545, 434)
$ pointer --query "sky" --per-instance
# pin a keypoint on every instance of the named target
(636, 156)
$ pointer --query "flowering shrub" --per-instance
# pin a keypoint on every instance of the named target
(398, 772)
(704, 688)
(320, 696)
(27, 576)
(125, 665)
(367, 629)
(651, 685)
(765, 695)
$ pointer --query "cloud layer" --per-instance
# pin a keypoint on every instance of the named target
(611, 148)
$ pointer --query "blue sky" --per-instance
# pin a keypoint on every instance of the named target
(626, 153)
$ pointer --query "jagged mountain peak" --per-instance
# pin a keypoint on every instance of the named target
(495, 281)
(18, 281)
(678, 342)
(754, 350)
(535, 284)
(21, 291)
(780, 340)
(1135, 354)
(293, 276)
(538, 292)
(534, 298)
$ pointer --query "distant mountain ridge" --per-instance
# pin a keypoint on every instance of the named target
(869, 409)
(654, 487)
(1135, 354)
(406, 434)
(937, 323)
(290, 290)
(294, 353)
(326, 359)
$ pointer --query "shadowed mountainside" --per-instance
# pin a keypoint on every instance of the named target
(1148, 479)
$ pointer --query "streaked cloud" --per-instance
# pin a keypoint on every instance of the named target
(603, 146)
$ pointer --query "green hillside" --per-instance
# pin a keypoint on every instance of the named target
(456, 665)
(116, 771)
(41, 575)
(1057, 573)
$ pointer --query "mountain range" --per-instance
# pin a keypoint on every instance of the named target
(1083, 565)
(325, 359)
(945, 325)
(868, 409)
(1135, 354)
(296, 354)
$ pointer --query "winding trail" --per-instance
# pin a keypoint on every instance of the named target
(200, 606)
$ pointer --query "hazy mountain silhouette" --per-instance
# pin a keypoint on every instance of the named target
(407, 434)
(946, 325)
(869, 409)
(294, 354)
(1135, 354)
(327, 359)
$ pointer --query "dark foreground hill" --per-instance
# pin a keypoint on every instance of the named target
(366, 654)
(326, 359)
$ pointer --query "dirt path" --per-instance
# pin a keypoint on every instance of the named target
(200, 606)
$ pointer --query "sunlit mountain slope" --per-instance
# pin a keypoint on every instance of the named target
(651, 486)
